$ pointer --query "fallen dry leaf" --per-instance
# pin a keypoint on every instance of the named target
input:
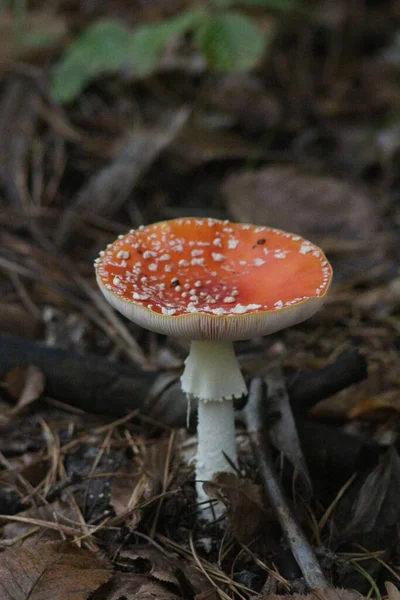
(376, 407)
(313, 205)
(26, 534)
(142, 481)
(51, 571)
(167, 568)
(243, 501)
(333, 213)
(156, 564)
(133, 586)
(25, 382)
(374, 501)
(128, 492)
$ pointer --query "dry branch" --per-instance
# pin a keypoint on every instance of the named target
(94, 384)
(298, 543)
(89, 382)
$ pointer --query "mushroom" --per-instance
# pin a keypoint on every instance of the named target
(213, 282)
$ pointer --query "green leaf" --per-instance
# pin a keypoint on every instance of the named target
(230, 41)
(101, 48)
(149, 41)
(109, 45)
(283, 5)
(68, 81)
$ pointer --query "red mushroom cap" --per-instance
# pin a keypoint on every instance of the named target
(211, 279)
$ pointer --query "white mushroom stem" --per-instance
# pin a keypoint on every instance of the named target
(216, 438)
(212, 374)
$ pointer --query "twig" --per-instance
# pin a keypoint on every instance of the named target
(107, 191)
(306, 389)
(92, 383)
(95, 384)
(166, 482)
(299, 545)
(282, 430)
(40, 523)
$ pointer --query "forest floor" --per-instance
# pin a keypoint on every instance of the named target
(97, 496)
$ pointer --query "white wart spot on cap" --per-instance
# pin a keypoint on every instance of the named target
(258, 262)
(233, 243)
(197, 261)
(137, 296)
(306, 247)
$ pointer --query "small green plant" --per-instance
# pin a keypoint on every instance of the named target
(227, 38)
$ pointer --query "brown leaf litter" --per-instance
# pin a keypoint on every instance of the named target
(41, 524)
(139, 482)
(48, 571)
(242, 498)
(335, 214)
(25, 383)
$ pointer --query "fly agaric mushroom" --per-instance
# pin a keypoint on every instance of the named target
(213, 282)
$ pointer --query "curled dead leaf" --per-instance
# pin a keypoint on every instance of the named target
(133, 586)
(26, 383)
(168, 568)
(244, 504)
